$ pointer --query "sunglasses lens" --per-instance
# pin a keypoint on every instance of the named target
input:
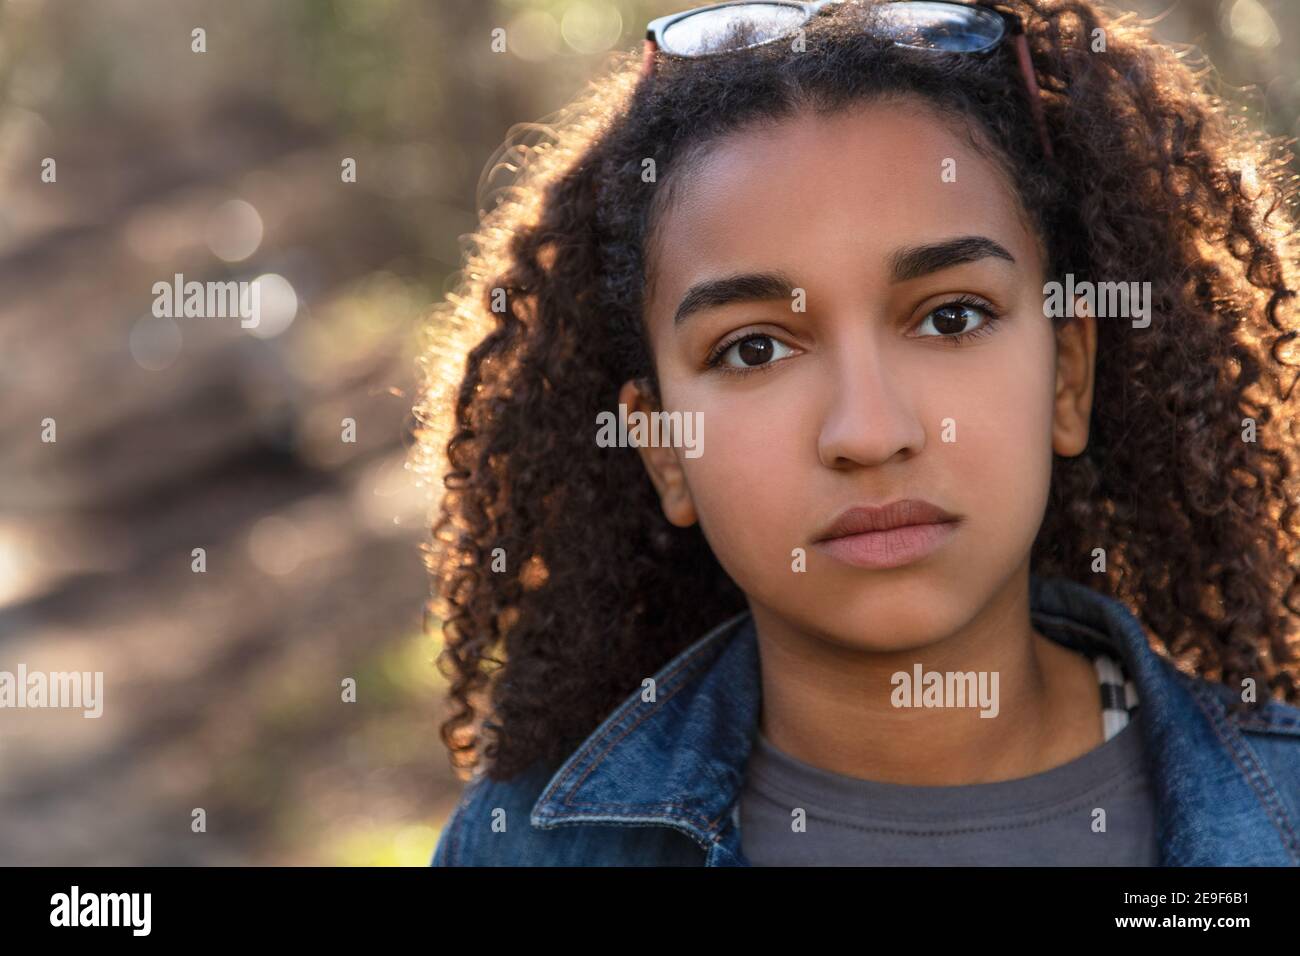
(731, 28)
(939, 26)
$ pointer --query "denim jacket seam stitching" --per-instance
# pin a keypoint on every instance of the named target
(1266, 724)
(1267, 794)
(1264, 720)
(642, 718)
(675, 687)
(1278, 722)
(594, 809)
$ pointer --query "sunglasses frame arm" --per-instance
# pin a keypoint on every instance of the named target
(1020, 43)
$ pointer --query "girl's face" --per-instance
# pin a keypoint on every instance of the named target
(889, 343)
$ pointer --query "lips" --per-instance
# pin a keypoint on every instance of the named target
(890, 536)
(897, 514)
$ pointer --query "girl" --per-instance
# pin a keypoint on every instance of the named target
(982, 318)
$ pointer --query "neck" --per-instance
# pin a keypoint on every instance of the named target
(831, 705)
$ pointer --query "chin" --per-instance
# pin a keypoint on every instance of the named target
(887, 621)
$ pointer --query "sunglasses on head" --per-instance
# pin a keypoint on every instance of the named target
(943, 26)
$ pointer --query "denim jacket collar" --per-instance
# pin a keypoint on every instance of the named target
(678, 760)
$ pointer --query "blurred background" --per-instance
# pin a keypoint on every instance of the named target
(223, 688)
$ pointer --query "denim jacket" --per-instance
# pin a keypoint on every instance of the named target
(658, 782)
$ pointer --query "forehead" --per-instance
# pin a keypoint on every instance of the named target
(844, 188)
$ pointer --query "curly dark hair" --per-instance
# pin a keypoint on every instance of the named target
(1156, 175)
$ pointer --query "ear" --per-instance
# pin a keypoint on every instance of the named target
(1076, 355)
(661, 462)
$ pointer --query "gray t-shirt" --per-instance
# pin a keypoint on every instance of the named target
(1048, 819)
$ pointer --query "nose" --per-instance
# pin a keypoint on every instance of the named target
(870, 415)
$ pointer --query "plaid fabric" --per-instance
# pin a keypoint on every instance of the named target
(1118, 695)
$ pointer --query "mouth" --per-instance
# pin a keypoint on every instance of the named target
(889, 536)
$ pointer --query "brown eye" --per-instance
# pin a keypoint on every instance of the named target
(957, 319)
(752, 350)
(755, 350)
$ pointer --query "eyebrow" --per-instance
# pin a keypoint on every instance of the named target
(746, 287)
(915, 261)
(905, 264)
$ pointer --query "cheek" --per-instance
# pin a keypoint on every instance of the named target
(1003, 411)
(1002, 457)
(748, 483)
